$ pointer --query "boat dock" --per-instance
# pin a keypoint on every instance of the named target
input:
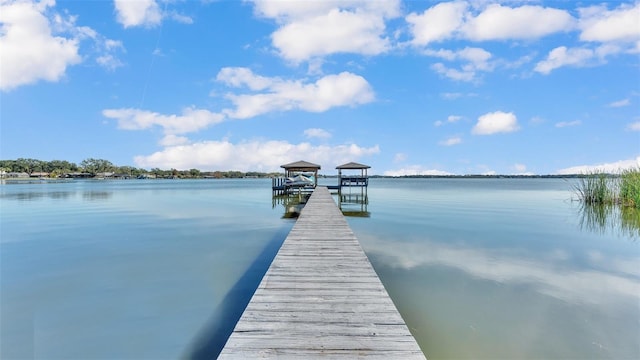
(321, 298)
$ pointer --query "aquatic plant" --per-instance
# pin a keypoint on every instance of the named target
(599, 188)
(630, 188)
(610, 201)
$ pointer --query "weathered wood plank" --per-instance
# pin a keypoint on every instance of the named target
(321, 298)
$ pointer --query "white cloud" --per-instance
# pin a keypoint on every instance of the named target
(284, 11)
(602, 25)
(454, 96)
(455, 140)
(344, 89)
(399, 157)
(496, 122)
(634, 126)
(616, 30)
(30, 52)
(138, 13)
(536, 120)
(499, 22)
(437, 23)
(563, 56)
(450, 119)
(521, 169)
(451, 96)
(495, 22)
(562, 124)
(613, 167)
(620, 103)
(336, 32)
(316, 29)
(173, 140)
(190, 120)
(317, 133)
(251, 155)
(453, 74)
(415, 170)
(453, 118)
(473, 61)
(107, 49)
(183, 19)
(39, 43)
(109, 62)
(288, 11)
(476, 56)
(244, 77)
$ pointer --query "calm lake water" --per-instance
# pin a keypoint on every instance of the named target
(479, 268)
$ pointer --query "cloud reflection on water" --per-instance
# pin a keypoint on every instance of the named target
(553, 274)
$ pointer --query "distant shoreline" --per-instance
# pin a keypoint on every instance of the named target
(91, 168)
(49, 179)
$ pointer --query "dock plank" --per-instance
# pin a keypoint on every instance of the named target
(321, 298)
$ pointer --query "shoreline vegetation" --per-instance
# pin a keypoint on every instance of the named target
(602, 189)
(25, 169)
(610, 202)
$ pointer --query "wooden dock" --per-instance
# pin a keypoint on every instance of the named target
(321, 298)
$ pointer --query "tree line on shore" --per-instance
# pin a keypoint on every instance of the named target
(91, 167)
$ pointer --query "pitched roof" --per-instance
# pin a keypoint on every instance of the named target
(353, 165)
(301, 165)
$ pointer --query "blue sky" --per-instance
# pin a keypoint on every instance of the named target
(414, 87)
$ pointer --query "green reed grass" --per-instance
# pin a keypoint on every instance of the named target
(629, 192)
(599, 188)
(611, 201)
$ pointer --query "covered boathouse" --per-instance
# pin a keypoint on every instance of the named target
(300, 175)
(353, 199)
(361, 180)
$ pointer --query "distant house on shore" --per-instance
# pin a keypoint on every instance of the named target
(104, 175)
(20, 175)
(39, 174)
(78, 175)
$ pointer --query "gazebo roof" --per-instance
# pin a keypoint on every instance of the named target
(301, 166)
(352, 166)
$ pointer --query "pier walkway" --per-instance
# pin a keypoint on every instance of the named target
(321, 298)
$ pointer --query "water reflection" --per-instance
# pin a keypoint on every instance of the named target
(167, 265)
(210, 340)
(466, 302)
(97, 195)
(500, 269)
(354, 204)
(292, 203)
(57, 195)
(554, 273)
(602, 219)
(34, 196)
